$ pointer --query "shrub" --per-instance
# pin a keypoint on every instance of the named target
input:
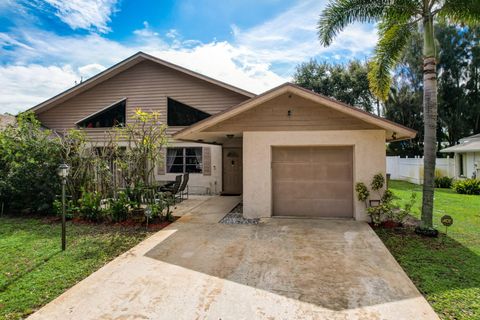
(385, 210)
(119, 207)
(467, 186)
(90, 206)
(362, 191)
(443, 182)
(70, 208)
(377, 182)
(402, 213)
(29, 157)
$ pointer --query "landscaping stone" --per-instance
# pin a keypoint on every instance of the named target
(236, 217)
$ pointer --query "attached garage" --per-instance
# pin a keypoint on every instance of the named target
(312, 181)
(302, 152)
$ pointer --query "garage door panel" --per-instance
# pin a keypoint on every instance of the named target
(329, 154)
(335, 208)
(305, 208)
(286, 155)
(300, 208)
(310, 190)
(323, 172)
(312, 181)
(339, 171)
(286, 172)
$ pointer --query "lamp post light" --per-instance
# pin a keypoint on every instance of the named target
(62, 172)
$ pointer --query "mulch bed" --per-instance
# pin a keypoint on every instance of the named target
(153, 225)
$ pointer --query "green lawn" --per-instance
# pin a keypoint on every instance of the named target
(33, 269)
(446, 269)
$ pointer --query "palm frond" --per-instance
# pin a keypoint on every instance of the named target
(339, 13)
(393, 38)
(461, 11)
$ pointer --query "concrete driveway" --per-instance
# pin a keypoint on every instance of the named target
(280, 269)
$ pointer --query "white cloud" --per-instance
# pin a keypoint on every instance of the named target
(291, 37)
(172, 34)
(6, 41)
(90, 70)
(84, 14)
(257, 59)
(146, 31)
(25, 86)
(223, 61)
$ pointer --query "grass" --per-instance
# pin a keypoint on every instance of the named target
(33, 269)
(446, 269)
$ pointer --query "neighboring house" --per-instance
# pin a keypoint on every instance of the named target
(6, 120)
(467, 157)
(288, 151)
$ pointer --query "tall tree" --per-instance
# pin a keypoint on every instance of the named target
(397, 19)
(403, 107)
(345, 82)
(455, 62)
(473, 83)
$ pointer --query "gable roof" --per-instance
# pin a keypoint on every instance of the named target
(398, 132)
(467, 144)
(122, 66)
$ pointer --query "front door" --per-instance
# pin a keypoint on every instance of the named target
(232, 171)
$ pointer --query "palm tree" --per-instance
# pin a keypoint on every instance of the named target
(397, 19)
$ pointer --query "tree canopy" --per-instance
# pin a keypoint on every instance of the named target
(345, 82)
(458, 87)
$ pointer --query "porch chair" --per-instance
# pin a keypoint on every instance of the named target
(184, 187)
(173, 190)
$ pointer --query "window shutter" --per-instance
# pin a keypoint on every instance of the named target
(207, 161)
(161, 162)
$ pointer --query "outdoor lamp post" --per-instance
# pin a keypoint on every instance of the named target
(63, 173)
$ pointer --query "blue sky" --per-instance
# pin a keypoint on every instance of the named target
(48, 45)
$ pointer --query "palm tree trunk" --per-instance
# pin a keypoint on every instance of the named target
(430, 122)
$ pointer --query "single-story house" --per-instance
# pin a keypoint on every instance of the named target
(467, 157)
(288, 151)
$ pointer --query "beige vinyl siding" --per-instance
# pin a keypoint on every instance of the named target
(304, 115)
(146, 85)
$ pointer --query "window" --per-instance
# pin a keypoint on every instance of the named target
(109, 117)
(183, 160)
(180, 114)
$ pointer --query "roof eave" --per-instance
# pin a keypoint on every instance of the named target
(401, 132)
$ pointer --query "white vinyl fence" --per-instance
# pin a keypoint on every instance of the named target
(411, 169)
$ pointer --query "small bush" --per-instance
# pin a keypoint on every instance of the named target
(362, 191)
(467, 186)
(90, 206)
(119, 207)
(443, 182)
(70, 209)
(377, 182)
